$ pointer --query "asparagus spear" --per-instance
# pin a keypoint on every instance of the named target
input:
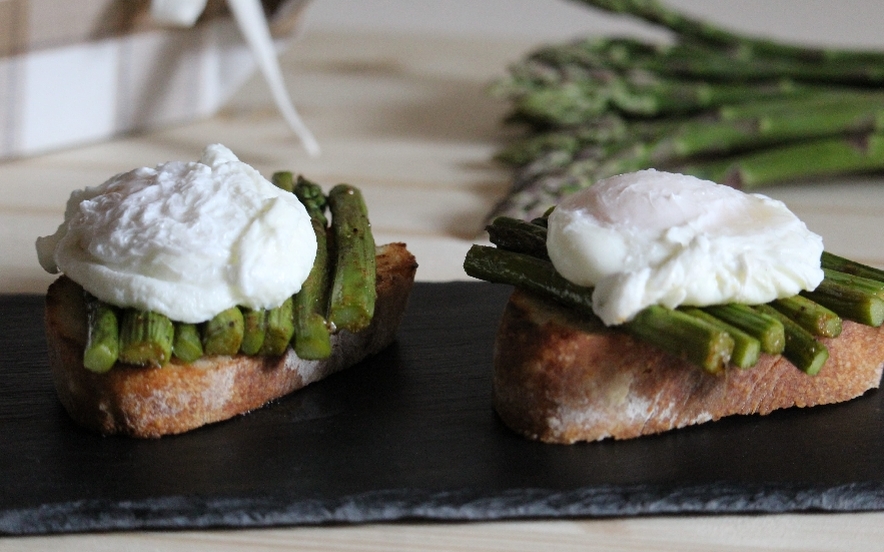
(145, 338)
(847, 266)
(815, 318)
(283, 180)
(697, 340)
(682, 334)
(850, 303)
(537, 188)
(689, 60)
(187, 344)
(746, 349)
(254, 330)
(519, 236)
(703, 32)
(102, 339)
(822, 94)
(527, 272)
(872, 286)
(766, 329)
(223, 333)
(353, 292)
(280, 329)
(817, 158)
(802, 349)
(571, 103)
(727, 129)
(312, 337)
(852, 297)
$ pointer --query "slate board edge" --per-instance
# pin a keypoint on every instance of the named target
(415, 505)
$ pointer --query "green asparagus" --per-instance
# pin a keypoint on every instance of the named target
(766, 329)
(689, 60)
(850, 303)
(223, 333)
(746, 349)
(804, 351)
(280, 329)
(811, 159)
(103, 338)
(693, 338)
(687, 336)
(713, 103)
(145, 338)
(519, 236)
(254, 330)
(353, 291)
(816, 319)
(283, 180)
(187, 345)
(840, 264)
(726, 130)
(852, 297)
(526, 272)
(312, 337)
(702, 32)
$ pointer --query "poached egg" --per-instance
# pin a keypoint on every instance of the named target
(652, 237)
(185, 239)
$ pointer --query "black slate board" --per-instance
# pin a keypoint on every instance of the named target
(409, 434)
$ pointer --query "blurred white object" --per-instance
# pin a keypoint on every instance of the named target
(177, 12)
(83, 71)
(249, 16)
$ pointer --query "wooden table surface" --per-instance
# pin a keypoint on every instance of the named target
(407, 118)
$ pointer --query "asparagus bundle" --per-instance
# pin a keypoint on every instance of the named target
(734, 109)
(339, 293)
(711, 337)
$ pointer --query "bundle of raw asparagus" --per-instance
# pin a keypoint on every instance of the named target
(733, 109)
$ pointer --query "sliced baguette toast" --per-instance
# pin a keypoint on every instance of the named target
(151, 402)
(560, 379)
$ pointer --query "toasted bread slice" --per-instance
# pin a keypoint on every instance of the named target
(561, 379)
(151, 402)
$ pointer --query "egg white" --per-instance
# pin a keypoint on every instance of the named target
(652, 237)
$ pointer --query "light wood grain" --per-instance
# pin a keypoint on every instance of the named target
(406, 118)
(781, 533)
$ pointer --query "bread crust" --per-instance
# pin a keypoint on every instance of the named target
(560, 379)
(151, 402)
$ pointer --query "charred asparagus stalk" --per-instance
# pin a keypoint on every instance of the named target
(674, 331)
(816, 319)
(840, 264)
(280, 329)
(853, 297)
(222, 335)
(312, 338)
(254, 330)
(747, 349)
(767, 330)
(802, 349)
(353, 292)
